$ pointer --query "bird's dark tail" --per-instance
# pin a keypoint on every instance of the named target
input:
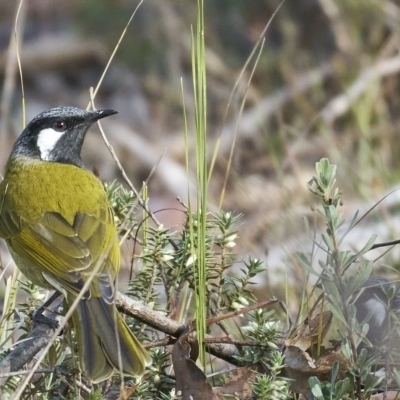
(105, 343)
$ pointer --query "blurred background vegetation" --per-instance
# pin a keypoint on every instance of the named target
(326, 85)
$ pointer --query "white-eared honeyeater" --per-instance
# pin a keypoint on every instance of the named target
(59, 227)
(375, 307)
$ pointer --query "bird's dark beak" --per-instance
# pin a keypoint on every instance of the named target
(99, 114)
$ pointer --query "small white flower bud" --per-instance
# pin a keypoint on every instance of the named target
(231, 238)
(192, 258)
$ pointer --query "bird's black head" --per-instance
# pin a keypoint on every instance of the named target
(57, 135)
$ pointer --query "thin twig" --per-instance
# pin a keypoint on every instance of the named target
(260, 40)
(113, 53)
(54, 370)
(141, 202)
(20, 11)
(239, 117)
(229, 340)
(10, 76)
(243, 310)
(52, 337)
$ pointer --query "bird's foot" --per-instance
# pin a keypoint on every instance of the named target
(38, 316)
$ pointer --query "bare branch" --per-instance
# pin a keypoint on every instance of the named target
(158, 321)
(26, 350)
(42, 333)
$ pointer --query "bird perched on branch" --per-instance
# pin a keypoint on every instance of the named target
(60, 230)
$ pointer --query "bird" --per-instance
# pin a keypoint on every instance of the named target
(374, 307)
(59, 228)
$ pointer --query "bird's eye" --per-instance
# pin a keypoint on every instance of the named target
(60, 126)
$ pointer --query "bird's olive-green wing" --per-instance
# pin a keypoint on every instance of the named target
(66, 252)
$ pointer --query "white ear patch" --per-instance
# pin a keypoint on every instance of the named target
(46, 141)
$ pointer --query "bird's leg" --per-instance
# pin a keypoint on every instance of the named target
(39, 317)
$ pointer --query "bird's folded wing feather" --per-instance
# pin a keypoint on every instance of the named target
(63, 250)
